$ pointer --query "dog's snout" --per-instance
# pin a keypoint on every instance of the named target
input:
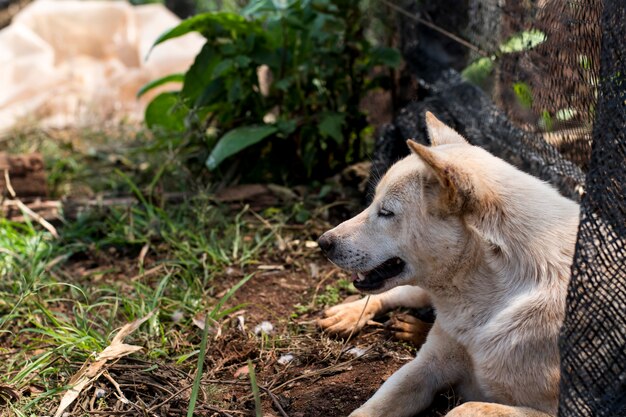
(326, 243)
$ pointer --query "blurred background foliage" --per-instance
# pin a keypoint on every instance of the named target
(275, 93)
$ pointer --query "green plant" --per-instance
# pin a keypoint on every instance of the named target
(278, 84)
(479, 70)
(334, 293)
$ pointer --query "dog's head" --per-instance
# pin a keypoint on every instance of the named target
(414, 229)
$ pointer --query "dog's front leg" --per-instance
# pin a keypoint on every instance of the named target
(441, 362)
(343, 319)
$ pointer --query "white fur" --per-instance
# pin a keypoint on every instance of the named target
(490, 247)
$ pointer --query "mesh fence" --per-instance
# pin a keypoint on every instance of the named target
(570, 89)
(593, 338)
(552, 101)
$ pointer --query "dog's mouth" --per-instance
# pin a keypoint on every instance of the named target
(375, 278)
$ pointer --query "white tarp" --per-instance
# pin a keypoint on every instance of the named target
(80, 63)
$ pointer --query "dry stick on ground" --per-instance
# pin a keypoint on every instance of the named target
(275, 401)
(278, 236)
(121, 395)
(26, 209)
(328, 369)
(272, 396)
(367, 300)
(180, 391)
(150, 271)
(48, 209)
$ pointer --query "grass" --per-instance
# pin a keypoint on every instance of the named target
(54, 320)
(62, 300)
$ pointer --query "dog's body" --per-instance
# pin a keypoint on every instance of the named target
(490, 247)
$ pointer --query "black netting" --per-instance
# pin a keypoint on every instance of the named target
(593, 338)
(553, 103)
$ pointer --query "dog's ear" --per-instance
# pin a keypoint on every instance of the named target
(457, 188)
(440, 133)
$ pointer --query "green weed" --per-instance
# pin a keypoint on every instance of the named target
(306, 122)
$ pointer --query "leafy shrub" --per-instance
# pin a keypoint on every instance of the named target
(306, 123)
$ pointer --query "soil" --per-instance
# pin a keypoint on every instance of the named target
(324, 378)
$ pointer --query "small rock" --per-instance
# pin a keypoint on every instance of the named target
(357, 352)
(264, 327)
(241, 323)
(285, 359)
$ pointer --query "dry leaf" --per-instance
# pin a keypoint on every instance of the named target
(241, 371)
(90, 371)
(143, 253)
(8, 393)
(214, 326)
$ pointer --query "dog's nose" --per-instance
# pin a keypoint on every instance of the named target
(326, 243)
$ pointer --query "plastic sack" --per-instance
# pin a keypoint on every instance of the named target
(81, 63)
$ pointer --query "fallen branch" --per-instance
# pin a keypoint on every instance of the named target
(25, 209)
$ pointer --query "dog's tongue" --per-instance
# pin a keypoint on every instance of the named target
(354, 277)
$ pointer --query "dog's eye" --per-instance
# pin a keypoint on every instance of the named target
(385, 213)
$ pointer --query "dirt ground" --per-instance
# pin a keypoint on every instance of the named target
(300, 371)
(325, 377)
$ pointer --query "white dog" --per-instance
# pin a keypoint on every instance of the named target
(487, 245)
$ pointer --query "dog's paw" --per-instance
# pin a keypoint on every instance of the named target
(408, 328)
(343, 319)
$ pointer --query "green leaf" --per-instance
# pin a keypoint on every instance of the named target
(172, 78)
(386, 56)
(546, 121)
(235, 92)
(167, 112)
(223, 67)
(258, 410)
(566, 114)
(210, 24)
(196, 382)
(478, 71)
(236, 140)
(330, 125)
(523, 41)
(524, 94)
(212, 93)
(258, 6)
(287, 127)
(285, 84)
(199, 75)
(242, 61)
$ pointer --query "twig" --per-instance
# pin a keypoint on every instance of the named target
(275, 401)
(273, 396)
(150, 271)
(279, 238)
(331, 368)
(122, 397)
(26, 209)
(343, 345)
(170, 398)
(436, 28)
